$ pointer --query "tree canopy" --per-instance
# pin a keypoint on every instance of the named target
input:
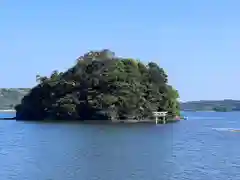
(100, 86)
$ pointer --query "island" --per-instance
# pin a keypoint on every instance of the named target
(225, 105)
(101, 86)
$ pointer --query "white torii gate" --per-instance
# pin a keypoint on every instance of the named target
(160, 114)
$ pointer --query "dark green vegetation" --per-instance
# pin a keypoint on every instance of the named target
(9, 97)
(220, 105)
(100, 86)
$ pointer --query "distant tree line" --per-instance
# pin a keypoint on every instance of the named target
(211, 105)
(10, 97)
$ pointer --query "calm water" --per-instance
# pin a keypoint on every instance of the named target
(191, 149)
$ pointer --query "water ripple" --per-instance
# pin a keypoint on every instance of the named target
(190, 150)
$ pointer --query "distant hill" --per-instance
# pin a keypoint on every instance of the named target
(211, 105)
(9, 97)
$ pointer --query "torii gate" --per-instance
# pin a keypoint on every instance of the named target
(161, 115)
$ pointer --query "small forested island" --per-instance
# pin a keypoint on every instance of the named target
(100, 86)
(211, 105)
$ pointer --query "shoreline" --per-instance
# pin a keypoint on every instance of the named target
(7, 110)
(129, 121)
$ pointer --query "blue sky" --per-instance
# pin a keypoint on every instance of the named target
(196, 42)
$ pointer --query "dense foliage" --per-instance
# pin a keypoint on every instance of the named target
(100, 86)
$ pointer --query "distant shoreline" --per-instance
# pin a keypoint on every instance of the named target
(7, 110)
(207, 111)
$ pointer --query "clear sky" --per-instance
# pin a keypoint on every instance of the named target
(196, 41)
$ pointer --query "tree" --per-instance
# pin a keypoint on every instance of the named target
(100, 86)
